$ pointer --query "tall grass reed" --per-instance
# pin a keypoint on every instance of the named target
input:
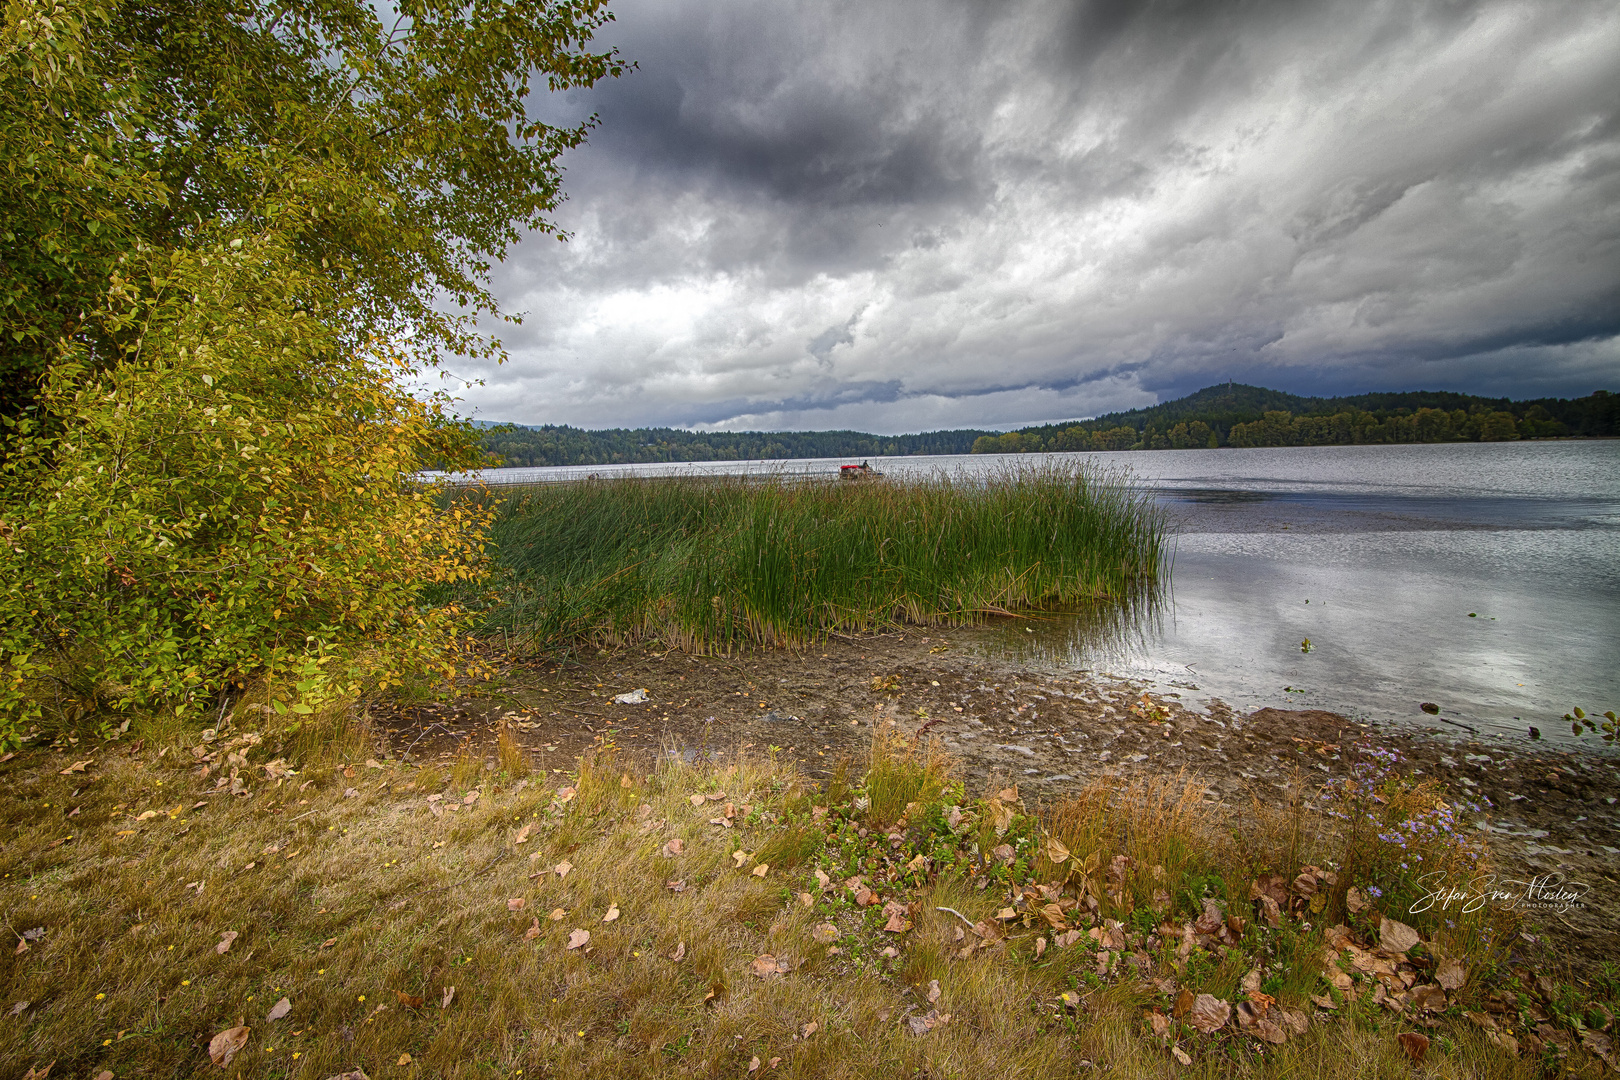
(708, 564)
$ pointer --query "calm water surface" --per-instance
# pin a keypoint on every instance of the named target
(1482, 577)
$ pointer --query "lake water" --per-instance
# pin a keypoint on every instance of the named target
(1482, 577)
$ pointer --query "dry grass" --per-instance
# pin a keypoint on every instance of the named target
(902, 770)
(1171, 838)
(345, 902)
(514, 760)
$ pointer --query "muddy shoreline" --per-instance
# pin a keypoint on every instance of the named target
(1546, 809)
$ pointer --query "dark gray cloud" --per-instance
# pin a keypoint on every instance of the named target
(907, 214)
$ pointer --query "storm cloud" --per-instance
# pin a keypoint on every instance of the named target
(935, 213)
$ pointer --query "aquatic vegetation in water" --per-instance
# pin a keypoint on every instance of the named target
(1608, 725)
(707, 564)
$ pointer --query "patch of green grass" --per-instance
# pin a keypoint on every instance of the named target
(708, 564)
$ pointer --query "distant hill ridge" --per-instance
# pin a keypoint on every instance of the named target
(1227, 414)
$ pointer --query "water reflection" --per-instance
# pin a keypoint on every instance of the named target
(1452, 583)
(1100, 633)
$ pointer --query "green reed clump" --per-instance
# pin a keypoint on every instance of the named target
(708, 564)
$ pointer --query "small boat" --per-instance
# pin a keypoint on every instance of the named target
(863, 471)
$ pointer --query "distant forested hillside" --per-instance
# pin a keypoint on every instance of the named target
(1233, 414)
(551, 445)
(1230, 414)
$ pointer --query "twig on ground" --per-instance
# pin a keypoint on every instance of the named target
(478, 874)
(424, 734)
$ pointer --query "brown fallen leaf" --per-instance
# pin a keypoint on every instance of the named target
(578, 938)
(563, 868)
(1322, 1001)
(39, 1074)
(753, 1064)
(472, 797)
(1208, 1013)
(1451, 974)
(767, 966)
(612, 913)
(225, 941)
(19, 1008)
(523, 834)
(1001, 815)
(1396, 938)
(696, 800)
(1180, 1055)
(933, 991)
(354, 1074)
(824, 934)
(809, 1029)
(1253, 1023)
(516, 903)
(922, 1025)
(674, 847)
(675, 886)
(738, 858)
(762, 869)
(104, 1074)
(278, 1010)
(898, 923)
(449, 996)
(404, 1059)
(1601, 1045)
(410, 1001)
(77, 766)
(1415, 1045)
(678, 953)
(533, 931)
(806, 899)
(329, 942)
(225, 1046)
(1429, 997)
(557, 914)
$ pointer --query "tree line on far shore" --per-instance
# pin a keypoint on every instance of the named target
(563, 445)
(1230, 414)
(1479, 420)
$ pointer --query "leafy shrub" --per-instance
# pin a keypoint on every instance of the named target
(234, 502)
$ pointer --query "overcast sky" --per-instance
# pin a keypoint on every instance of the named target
(930, 214)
